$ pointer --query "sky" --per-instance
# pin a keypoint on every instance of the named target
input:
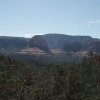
(26, 18)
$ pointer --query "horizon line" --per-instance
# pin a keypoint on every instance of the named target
(44, 34)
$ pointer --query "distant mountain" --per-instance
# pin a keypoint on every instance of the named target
(94, 46)
(12, 44)
(72, 43)
(60, 40)
(40, 42)
(48, 42)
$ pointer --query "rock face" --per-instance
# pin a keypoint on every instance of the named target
(32, 51)
(39, 42)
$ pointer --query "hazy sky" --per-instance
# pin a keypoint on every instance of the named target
(30, 17)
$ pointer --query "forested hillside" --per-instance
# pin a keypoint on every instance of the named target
(65, 81)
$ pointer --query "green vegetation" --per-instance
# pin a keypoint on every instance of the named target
(21, 80)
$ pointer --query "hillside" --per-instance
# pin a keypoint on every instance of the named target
(12, 44)
(40, 42)
(59, 40)
(51, 43)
